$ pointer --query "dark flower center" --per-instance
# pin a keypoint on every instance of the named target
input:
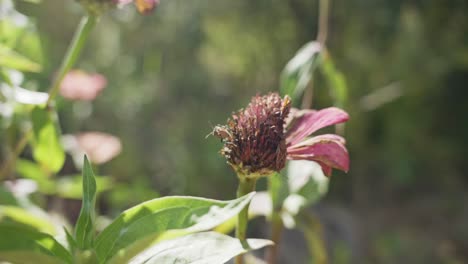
(254, 141)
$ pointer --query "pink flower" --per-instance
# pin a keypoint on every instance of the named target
(79, 85)
(258, 140)
(328, 150)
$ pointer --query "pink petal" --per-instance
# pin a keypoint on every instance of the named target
(328, 153)
(317, 139)
(312, 121)
(79, 85)
(100, 147)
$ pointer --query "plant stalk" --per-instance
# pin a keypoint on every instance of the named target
(74, 49)
(246, 185)
(276, 232)
(79, 39)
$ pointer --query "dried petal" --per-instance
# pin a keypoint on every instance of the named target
(312, 121)
(328, 150)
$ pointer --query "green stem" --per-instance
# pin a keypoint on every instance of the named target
(276, 231)
(246, 185)
(74, 49)
(79, 39)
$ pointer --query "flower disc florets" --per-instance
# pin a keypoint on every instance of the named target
(254, 140)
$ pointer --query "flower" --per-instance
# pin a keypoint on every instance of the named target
(97, 7)
(260, 138)
(79, 85)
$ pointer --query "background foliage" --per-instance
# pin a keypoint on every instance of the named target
(172, 76)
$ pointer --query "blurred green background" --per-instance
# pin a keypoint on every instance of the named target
(175, 74)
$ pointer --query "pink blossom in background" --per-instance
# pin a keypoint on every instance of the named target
(100, 147)
(79, 85)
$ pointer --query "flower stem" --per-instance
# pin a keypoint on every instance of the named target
(74, 49)
(276, 231)
(79, 39)
(246, 185)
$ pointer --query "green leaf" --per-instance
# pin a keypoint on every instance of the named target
(313, 233)
(335, 79)
(298, 71)
(70, 187)
(6, 197)
(47, 149)
(278, 189)
(307, 184)
(22, 37)
(153, 219)
(84, 232)
(25, 245)
(19, 216)
(13, 60)
(200, 248)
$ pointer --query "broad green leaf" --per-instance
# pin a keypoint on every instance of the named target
(20, 216)
(28, 257)
(306, 178)
(335, 79)
(153, 219)
(13, 60)
(18, 242)
(47, 149)
(298, 71)
(200, 248)
(260, 205)
(6, 197)
(306, 184)
(19, 33)
(31, 170)
(84, 232)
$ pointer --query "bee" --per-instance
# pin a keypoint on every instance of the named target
(220, 132)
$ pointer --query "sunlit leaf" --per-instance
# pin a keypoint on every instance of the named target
(19, 34)
(200, 248)
(13, 60)
(298, 71)
(84, 232)
(47, 149)
(21, 216)
(24, 96)
(25, 245)
(150, 220)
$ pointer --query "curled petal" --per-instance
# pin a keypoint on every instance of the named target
(317, 139)
(312, 121)
(328, 151)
